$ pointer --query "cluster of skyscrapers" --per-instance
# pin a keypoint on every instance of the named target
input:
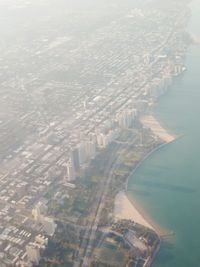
(86, 150)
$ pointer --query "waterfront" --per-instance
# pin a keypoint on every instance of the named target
(167, 183)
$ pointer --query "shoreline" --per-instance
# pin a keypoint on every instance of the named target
(146, 157)
(160, 231)
(151, 122)
(126, 207)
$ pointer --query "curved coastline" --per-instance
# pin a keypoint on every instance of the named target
(155, 226)
(146, 157)
(125, 205)
(187, 258)
(149, 222)
(130, 209)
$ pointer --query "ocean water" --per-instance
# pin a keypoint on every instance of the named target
(167, 184)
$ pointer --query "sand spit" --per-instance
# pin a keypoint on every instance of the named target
(152, 123)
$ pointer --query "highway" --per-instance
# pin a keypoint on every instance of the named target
(85, 249)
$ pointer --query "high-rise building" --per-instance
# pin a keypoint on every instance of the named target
(33, 253)
(90, 150)
(39, 210)
(93, 137)
(101, 140)
(126, 118)
(49, 225)
(71, 174)
(75, 158)
(82, 153)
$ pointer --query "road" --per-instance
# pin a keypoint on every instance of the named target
(85, 250)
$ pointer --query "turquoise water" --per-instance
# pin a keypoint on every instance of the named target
(167, 184)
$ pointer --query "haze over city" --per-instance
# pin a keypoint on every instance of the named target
(99, 140)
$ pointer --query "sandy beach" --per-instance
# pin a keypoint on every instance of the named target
(124, 209)
(125, 206)
(152, 123)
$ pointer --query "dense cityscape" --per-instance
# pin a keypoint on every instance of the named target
(74, 88)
